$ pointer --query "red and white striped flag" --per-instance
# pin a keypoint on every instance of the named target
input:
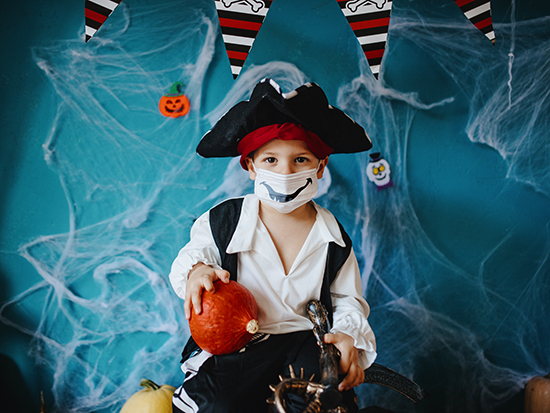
(96, 12)
(240, 21)
(369, 20)
(479, 13)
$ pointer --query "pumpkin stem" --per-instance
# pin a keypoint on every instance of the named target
(252, 327)
(175, 89)
(149, 384)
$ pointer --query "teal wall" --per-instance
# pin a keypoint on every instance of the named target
(99, 191)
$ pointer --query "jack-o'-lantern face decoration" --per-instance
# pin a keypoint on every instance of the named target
(174, 106)
(174, 103)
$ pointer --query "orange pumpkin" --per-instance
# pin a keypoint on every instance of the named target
(537, 395)
(228, 320)
(174, 103)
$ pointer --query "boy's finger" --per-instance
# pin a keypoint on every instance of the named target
(355, 377)
(187, 304)
(361, 376)
(207, 283)
(196, 302)
(187, 308)
(223, 275)
(348, 382)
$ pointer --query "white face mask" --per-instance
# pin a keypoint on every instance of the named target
(285, 193)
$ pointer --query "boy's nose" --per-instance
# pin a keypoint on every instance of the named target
(286, 168)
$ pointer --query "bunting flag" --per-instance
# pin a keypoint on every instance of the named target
(369, 20)
(240, 21)
(479, 13)
(96, 12)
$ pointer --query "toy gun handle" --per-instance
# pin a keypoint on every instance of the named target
(329, 356)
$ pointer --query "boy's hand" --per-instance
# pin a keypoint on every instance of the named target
(201, 277)
(349, 360)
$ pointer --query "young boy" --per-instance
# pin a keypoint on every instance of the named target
(280, 245)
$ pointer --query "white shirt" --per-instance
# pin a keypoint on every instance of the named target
(282, 298)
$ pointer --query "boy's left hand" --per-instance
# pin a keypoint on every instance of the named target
(349, 360)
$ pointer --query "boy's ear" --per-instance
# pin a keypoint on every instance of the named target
(249, 163)
(322, 166)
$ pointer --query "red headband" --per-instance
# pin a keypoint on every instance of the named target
(285, 132)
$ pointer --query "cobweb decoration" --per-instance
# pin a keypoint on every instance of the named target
(96, 12)
(240, 22)
(479, 13)
(104, 315)
(369, 20)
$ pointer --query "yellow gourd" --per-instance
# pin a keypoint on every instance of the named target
(537, 395)
(152, 399)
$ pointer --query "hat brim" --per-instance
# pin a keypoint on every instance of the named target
(307, 106)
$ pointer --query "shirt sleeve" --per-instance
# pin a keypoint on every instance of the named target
(200, 248)
(350, 311)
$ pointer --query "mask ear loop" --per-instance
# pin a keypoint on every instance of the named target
(319, 164)
(254, 167)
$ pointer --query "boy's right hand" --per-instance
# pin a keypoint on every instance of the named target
(201, 277)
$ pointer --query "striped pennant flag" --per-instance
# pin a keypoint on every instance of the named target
(96, 12)
(240, 21)
(479, 13)
(369, 20)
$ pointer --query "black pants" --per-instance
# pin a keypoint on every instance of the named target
(239, 382)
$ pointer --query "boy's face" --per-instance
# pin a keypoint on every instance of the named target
(285, 157)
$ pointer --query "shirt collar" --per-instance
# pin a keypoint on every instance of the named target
(244, 232)
(328, 226)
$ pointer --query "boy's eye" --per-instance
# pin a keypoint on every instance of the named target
(301, 159)
(270, 160)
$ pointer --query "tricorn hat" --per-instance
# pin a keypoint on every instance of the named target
(307, 106)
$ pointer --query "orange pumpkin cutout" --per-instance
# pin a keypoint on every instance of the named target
(174, 103)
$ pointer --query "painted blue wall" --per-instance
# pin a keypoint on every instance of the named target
(99, 191)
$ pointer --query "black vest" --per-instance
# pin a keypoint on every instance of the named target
(224, 218)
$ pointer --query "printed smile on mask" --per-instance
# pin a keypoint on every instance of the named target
(276, 196)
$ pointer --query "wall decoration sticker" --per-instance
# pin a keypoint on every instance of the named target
(174, 103)
(378, 171)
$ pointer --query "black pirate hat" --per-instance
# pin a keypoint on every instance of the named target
(307, 106)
